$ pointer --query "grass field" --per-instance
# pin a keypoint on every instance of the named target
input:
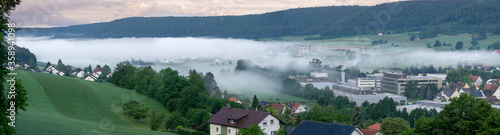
(64, 106)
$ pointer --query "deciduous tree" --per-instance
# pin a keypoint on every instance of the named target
(135, 109)
(393, 126)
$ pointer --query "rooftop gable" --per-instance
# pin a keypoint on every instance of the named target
(474, 78)
(375, 126)
(244, 118)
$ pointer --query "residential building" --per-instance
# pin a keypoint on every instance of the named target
(395, 83)
(375, 127)
(477, 81)
(79, 74)
(278, 106)
(461, 85)
(235, 100)
(447, 94)
(320, 128)
(297, 108)
(91, 77)
(229, 120)
(494, 90)
(370, 132)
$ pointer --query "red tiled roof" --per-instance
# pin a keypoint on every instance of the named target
(243, 118)
(233, 99)
(296, 106)
(278, 106)
(369, 132)
(474, 78)
(491, 87)
(98, 69)
(460, 85)
(375, 126)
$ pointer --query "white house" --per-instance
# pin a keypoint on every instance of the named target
(91, 77)
(80, 74)
(60, 73)
(448, 93)
(229, 120)
(298, 108)
(477, 81)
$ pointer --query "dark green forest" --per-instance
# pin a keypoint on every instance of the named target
(429, 17)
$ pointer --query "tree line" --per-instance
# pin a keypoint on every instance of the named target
(188, 97)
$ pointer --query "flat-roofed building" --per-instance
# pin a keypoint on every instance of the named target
(395, 83)
(366, 82)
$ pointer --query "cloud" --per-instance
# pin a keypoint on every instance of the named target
(36, 13)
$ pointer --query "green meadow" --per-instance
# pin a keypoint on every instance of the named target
(64, 106)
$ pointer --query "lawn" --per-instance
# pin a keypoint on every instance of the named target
(65, 105)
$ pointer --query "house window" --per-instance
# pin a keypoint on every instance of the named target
(264, 123)
(231, 121)
(272, 122)
(217, 129)
(229, 131)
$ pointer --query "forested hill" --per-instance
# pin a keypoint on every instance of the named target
(438, 16)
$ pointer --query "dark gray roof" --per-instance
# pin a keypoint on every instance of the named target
(263, 103)
(320, 128)
(448, 92)
(487, 93)
(477, 94)
(289, 130)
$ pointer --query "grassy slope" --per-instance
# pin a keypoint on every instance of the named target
(64, 105)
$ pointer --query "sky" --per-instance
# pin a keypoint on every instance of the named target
(54, 13)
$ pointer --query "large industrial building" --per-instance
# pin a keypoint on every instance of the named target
(395, 83)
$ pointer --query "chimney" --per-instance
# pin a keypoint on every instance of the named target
(342, 76)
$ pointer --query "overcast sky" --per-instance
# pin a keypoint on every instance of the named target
(50, 13)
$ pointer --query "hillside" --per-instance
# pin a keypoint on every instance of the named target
(64, 105)
(447, 16)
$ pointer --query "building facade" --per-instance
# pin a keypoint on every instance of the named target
(229, 120)
(395, 83)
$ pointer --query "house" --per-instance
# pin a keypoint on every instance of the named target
(235, 100)
(477, 81)
(477, 94)
(229, 120)
(91, 77)
(375, 126)
(297, 108)
(320, 128)
(278, 106)
(370, 132)
(263, 103)
(78, 74)
(60, 73)
(494, 89)
(466, 90)
(448, 93)
(460, 85)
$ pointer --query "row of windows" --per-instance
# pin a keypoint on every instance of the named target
(265, 122)
(217, 130)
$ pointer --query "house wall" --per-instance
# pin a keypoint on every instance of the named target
(497, 93)
(300, 109)
(270, 128)
(217, 129)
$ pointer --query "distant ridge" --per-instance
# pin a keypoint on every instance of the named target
(441, 16)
